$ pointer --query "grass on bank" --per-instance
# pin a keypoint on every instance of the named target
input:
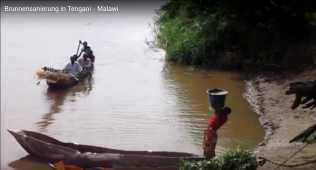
(224, 33)
(232, 160)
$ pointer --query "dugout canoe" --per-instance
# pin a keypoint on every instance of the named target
(57, 79)
(50, 149)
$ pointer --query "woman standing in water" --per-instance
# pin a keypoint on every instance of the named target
(216, 120)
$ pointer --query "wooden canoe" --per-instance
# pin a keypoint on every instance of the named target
(50, 149)
(57, 79)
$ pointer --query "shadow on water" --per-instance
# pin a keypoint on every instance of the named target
(57, 98)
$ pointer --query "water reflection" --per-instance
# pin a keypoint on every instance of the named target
(29, 163)
(57, 98)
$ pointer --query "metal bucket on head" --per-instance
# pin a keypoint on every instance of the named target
(216, 98)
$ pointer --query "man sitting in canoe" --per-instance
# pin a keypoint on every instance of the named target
(85, 62)
(87, 50)
(73, 68)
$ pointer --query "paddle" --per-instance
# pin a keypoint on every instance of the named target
(78, 48)
(76, 78)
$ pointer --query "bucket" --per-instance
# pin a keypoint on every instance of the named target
(216, 98)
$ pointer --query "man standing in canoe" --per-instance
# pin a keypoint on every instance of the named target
(73, 68)
(216, 120)
(87, 51)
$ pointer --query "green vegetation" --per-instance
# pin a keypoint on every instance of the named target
(227, 33)
(232, 160)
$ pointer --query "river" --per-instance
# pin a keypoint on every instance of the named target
(134, 100)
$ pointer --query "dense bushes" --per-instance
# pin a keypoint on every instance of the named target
(231, 33)
(232, 160)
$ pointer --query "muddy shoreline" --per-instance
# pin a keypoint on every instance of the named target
(267, 97)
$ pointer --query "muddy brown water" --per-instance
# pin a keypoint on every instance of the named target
(134, 100)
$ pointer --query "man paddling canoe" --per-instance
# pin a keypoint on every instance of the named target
(86, 50)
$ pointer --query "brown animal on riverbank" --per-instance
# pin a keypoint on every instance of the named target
(305, 94)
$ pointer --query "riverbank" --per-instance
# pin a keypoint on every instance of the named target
(281, 123)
